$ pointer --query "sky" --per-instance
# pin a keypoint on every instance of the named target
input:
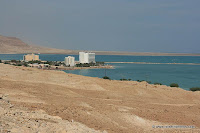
(105, 25)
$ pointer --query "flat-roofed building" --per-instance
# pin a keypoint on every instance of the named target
(31, 57)
(86, 57)
(69, 61)
(81, 57)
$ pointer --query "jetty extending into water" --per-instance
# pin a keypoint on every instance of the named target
(151, 63)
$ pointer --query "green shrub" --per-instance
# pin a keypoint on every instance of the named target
(140, 80)
(34, 61)
(174, 85)
(157, 84)
(25, 64)
(99, 63)
(6, 62)
(106, 77)
(149, 82)
(195, 89)
(124, 79)
(86, 64)
(14, 61)
(49, 62)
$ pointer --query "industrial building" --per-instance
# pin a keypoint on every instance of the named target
(69, 61)
(31, 57)
(86, 57)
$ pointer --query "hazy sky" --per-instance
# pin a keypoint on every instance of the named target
(112, 25)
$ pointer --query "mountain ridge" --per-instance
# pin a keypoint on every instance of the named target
(14, 45)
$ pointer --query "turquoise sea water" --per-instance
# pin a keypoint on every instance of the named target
(185, 75)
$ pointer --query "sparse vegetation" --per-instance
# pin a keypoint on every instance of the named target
(49, 62)
(157, 83)
(90, 64)
(25, 64)
(149, 82)
(195, 89)
(145, 81)
(100, 63)
(85, 65)
(6, 62)
(14, 61)
(174, 85)
(106, 77)
(53, 63)
(35, 61)
(125, 79)
(140, 80)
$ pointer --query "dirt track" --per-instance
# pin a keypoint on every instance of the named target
(114, 106)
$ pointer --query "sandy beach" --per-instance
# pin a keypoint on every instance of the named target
(49, 100)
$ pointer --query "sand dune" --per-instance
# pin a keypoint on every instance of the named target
(100, 105)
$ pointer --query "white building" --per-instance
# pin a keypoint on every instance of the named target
(86, 57)
(30, 57)
(69, 61)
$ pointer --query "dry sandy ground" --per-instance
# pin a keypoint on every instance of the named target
(21, 120)
(113, 106)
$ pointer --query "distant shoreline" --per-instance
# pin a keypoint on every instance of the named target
(151, 63)
(13, 45)
(80, 68)
(112, 53)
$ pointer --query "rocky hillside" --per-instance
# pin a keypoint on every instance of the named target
(13, 117)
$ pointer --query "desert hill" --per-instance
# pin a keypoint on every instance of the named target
(48, 100)
(13, 45)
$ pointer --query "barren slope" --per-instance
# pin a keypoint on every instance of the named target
(16, 119)
(13, 45)
(114, 106)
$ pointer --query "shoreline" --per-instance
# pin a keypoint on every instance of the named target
(118, 53)
(79, 68)
(61, 67)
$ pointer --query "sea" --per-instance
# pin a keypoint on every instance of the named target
(160, 71)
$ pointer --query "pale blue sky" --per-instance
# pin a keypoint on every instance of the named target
(112, 25)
